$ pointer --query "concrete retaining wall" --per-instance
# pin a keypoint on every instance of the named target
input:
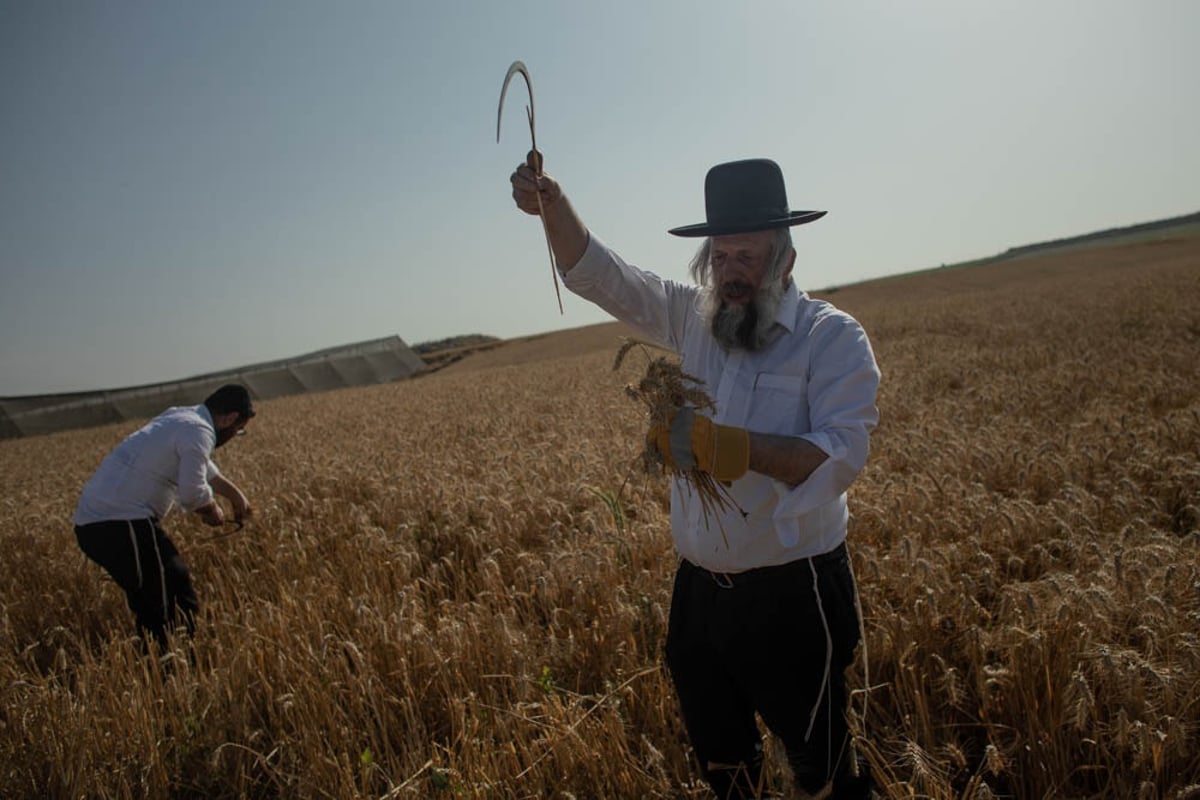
(360, 364)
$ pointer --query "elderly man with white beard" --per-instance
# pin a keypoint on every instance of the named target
(764, 614)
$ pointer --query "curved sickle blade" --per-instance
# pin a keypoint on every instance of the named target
(517, 66)
(534, 159)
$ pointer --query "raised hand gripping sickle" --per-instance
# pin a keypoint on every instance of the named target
(534, 159)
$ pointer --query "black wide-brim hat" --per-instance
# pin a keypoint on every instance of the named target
(743, 197)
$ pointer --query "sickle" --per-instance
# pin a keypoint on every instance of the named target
(519, 67)
(534, 159)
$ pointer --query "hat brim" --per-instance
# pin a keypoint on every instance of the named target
(724, 229)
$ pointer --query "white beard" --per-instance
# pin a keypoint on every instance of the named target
(747, 326)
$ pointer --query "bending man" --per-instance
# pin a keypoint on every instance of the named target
(118, 518)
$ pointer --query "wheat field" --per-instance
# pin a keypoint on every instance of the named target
(457, 586)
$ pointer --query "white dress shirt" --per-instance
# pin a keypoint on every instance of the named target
(816, 380)
(166, 460)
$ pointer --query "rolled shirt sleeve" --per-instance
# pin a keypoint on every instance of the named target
(194, 447)
(842, 412)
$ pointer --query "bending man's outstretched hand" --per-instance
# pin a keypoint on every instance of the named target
(693, 441)
(211, 513)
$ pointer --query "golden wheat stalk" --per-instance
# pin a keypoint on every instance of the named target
(663, 390)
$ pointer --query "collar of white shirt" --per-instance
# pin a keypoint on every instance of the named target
(206, 415)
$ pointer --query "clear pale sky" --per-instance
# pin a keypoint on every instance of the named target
(187, 187)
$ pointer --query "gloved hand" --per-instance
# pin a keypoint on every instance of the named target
(694, 441)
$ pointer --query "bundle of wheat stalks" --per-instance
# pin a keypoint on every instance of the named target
(663, 390)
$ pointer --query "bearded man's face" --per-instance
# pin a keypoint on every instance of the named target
(744, 291)
(233, 425)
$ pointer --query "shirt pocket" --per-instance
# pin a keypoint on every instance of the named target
(779, 404)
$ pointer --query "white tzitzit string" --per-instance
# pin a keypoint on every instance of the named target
(862, 627)
(812, 720)
(137, 559)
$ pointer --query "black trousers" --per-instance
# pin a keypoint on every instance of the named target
(773, 641)
(144, 562)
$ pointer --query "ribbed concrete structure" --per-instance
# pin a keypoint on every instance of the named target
(361, 364)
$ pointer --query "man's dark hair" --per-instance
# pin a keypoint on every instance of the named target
(232, 398)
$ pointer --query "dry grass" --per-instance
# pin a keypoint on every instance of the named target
(457, 587)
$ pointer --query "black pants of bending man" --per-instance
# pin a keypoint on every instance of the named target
(145, 564)
(773, 641)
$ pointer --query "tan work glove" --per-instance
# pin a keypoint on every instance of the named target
(694, 441)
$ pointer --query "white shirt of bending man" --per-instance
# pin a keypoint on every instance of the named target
(166, 460)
